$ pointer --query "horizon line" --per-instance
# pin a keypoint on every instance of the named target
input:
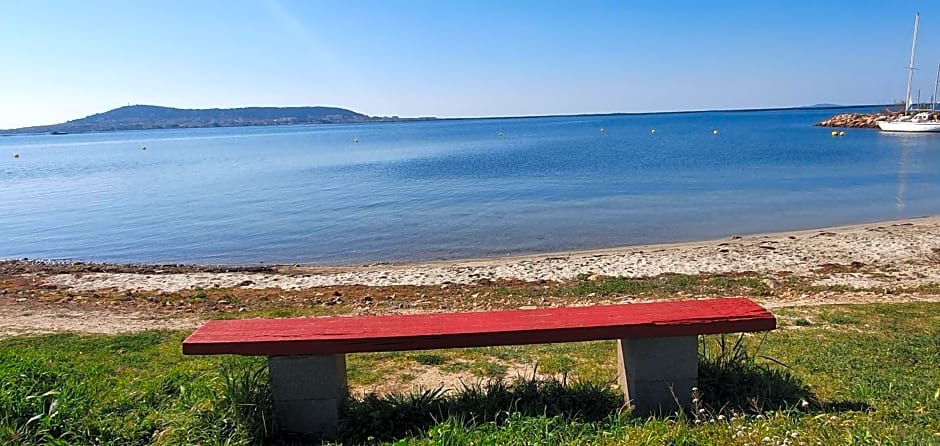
(456, 118)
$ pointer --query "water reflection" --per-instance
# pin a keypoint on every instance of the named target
(902, 176)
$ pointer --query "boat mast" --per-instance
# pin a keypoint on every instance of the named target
(935, 84)
(910, 67)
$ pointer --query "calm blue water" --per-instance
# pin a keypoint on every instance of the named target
(449, 189)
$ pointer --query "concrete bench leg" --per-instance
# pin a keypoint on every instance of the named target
(308, 391)
(657, 374)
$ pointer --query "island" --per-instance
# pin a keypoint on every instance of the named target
(147, 117)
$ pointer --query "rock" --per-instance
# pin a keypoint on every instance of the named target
(860, 120)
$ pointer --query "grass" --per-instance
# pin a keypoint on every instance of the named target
(671, 284)
(862, 374)
(134, 389)
(840, 317)
(666, 285)
(494, 401)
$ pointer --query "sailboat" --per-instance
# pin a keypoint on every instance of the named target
(921, 120)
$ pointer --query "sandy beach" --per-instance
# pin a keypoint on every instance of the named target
(912, 246)
(876, 262)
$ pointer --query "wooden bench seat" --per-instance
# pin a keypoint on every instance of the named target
(657, 346)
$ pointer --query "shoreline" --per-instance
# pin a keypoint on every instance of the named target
(27, 265)
(929, 219)
(881, 244)
(884, 262)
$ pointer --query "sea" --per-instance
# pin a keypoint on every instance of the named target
(449, 189)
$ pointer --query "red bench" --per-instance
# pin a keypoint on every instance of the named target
(657, 347)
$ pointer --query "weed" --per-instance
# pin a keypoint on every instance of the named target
(840, 317)
(199, 293)
(407, 377)
(672, 284)
(247, 398)
(428, 358)
(731, 379)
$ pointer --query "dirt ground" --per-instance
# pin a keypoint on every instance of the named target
(895, 261)
(29, 305)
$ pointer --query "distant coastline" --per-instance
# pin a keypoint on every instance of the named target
(679, 112)
(151, 117)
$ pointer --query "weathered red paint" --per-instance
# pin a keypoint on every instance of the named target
(337, 335)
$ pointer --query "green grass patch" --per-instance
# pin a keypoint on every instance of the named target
(802, 322)
(661, 286)
(826, 383)
(671, 284)
(839, 317)
(137, 389)
(428, 358)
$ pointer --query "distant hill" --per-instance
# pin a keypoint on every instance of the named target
(143, 117)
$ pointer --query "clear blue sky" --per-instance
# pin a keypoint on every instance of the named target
(64, 59)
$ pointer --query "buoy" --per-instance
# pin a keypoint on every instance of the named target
(499, 133)
(602, 130)
(715, 132)
(834, 133)
(841, 133)
(16, 155)
(653, 131)
(356, 140)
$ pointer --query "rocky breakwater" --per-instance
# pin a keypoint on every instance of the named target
(858, 120)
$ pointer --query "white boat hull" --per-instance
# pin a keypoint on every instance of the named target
(908, 126)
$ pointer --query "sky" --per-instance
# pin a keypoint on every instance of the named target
(66, 59)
